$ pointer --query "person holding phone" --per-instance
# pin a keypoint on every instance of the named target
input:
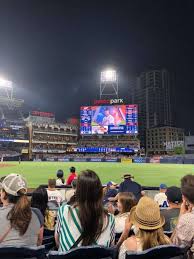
(184, 231)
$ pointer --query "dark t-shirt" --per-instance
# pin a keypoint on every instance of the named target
(171, 218)
(129, 186)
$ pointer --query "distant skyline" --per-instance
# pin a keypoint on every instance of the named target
(54, 51)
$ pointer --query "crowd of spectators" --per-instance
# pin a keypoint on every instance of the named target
(83, 155)
(54, 127)
(89, 214)
(54, 138)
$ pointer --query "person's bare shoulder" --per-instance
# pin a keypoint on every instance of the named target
(131, 243)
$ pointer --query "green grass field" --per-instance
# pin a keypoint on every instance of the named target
(38, 173)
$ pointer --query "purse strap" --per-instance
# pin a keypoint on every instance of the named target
(77, 242)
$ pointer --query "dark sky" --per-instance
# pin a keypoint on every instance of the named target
(54, 50)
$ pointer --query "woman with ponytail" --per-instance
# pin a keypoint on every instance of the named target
(19, 225)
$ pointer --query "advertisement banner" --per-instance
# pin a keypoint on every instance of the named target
(50, 159)
(95, 159)
(139, 160)
(111, 160)
(79, 160)
(63, 159)
(24, 151)
(155, 159)
(126, 160)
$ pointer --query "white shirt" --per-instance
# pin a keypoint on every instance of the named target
(108, 120)
(59, 182)
(161, 199)
(120, 222)
(69, 229)
(54, 196)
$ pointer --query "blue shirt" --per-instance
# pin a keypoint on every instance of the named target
(129, 186)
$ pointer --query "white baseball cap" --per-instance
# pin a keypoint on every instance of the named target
(13, 183)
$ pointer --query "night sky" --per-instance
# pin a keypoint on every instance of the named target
(54, 50)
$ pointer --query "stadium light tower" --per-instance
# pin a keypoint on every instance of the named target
(109, 83)
(6, 88)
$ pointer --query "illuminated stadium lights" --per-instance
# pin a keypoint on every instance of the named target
(5, 83)
(109, 84)
(108, 75)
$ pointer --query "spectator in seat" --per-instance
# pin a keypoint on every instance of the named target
(19, 224)
(85, 223)
(128, 185)
(53, 194)
(174, 199)
(148, 224)
(39, 199)
(184, 231)
(72, 175)
(110, 191)
(160, 197)
(60, 178)
(70, 193)
(126, 201)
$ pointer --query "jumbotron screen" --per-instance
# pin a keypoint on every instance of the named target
(111, 119)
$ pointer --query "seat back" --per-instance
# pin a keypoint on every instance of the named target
(11, 252)
(159, 252)
(87, 252)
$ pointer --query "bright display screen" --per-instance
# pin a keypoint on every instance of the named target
(111, 119)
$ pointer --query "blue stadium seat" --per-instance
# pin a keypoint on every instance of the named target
(87, 252)
(160, 252)
(11, 252)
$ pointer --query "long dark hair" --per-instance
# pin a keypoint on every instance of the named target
(40, 199)
(20, 215)
(89, 195)
(128, 201)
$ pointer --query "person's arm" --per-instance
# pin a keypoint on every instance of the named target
(40, 236)
(112, 121)
(125, 233)
(58, 227)
(111, 209)
(57, 239)
(184, 230)
(113, 198)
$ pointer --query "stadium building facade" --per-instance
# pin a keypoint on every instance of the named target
(48, 138)
(152, 94)
(164, 140)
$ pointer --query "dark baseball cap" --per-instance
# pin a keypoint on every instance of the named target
(111, 183)
(174, 195)
(163, 186)
(128, 176)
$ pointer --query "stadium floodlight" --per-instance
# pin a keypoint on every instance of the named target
(5, 83)
(109, 83)
(108, 75)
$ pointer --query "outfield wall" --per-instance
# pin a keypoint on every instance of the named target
(139, 160)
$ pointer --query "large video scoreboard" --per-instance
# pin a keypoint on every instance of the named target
(109, 119)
